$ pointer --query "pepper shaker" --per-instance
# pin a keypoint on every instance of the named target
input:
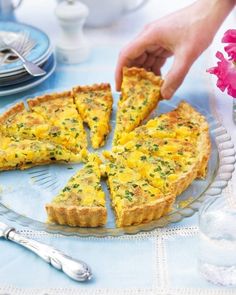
(72, 47)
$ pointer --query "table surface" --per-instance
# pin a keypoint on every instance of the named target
(163, 261)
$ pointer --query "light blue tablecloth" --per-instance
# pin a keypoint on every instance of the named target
(159, 262)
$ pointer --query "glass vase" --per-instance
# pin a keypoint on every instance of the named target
(217, 240)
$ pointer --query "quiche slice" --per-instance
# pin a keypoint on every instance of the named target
(134, 200)
(26, 153)
(82, 201)
(19, 123)
(66, 126)
(140, 93)
(182, 126)
(94, 104)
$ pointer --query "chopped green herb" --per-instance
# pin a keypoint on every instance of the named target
(66, 189)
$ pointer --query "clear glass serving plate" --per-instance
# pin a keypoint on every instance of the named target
(23, 194)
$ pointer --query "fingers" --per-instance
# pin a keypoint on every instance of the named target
(156, 68)
(134, 50)
(176, 75)
(149, 62)
(140, 60)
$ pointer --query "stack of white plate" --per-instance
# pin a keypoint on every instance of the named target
(13, 76)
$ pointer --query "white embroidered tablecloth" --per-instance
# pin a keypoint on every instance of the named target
(162, 261)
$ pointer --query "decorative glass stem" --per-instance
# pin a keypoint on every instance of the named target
(234, 110)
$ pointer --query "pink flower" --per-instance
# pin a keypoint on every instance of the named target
(226, 68)
(230, 37)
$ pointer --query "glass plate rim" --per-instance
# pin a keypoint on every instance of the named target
(226, 156)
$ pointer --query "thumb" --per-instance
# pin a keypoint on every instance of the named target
(176, 75)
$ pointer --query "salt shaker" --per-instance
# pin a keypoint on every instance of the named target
(72, 46)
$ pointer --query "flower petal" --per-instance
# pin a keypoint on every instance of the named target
(229, 37)
(231, 51)
(226, 73)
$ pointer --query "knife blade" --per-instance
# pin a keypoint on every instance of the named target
(74, 268)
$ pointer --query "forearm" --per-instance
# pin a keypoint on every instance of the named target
(214, 12)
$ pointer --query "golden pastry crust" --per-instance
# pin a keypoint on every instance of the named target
(17, 108)
(76, 216)
(185, 180)
(32, 102)
(146, 213)
(143, 74)
(94, 87)
(204, 142)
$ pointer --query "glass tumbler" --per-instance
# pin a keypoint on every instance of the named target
(217, 240)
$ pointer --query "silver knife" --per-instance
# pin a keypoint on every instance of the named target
(76, 269)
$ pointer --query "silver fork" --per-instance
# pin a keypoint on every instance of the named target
(9, 56)
(16, 48)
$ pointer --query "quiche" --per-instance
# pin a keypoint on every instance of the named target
(140, 93)
(168, 152)
(19, 123)
(23, 154)
(94, 104)
(133, 198)
(148, 167)
(66, 125)
(82, 201)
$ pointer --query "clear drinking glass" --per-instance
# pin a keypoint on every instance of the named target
(217, 240)
(234, 110)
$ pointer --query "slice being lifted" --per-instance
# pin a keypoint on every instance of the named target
(82, 201)
(66, 126)
(94, 104)
(26, 153)
(140, 93)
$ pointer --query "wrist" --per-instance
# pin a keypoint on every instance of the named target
(217, 10)
(214, 12)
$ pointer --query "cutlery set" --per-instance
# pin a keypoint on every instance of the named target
(26, 57)
(17, 49)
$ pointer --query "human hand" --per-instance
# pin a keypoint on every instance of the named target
(184, 34)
